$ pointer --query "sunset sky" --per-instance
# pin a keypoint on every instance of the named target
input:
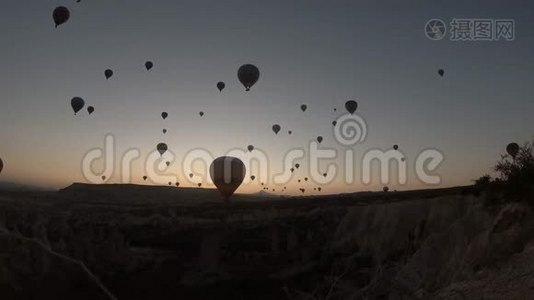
(318, 53)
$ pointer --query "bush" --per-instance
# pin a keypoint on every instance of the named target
(516, 175)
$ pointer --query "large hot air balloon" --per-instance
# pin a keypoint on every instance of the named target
(250, 148)
(351, 106)
(90, 109)
(303, 107)
(248, 75)
(221, 85)
(61, 15)
(227, 174)
(441, 72)
(162, 148)
(108, 73)
(512, 149)
(77, 104)
(276, 128)
(149, 65)
(164, 115)
(319, 139)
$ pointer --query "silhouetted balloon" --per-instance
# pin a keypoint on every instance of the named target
(298, 180)
(297, 166)
(170, 183)
(201, 113)
(396, 147)
(305, 178)
(385, 189)
(199, 184)
(250, 148)
(351, 106)
(90, 109)
(220, 86)
(108, 73)
(164, 131)
(103, 177)
(164, 115)
(512, 149)
(303, 190)
(1, 165)
(335, 109)
(441, 72)
(324, 174)
(149, 65)
(227, 174)
(248, 75)
(191, 175)
(334, 123)
(168, 163)
(61, 15)
(145, 178)
(77, 104)
(276, 128)
(252, 177)
(303, 107)
(319, 139)
(292, 170)
(162, 148)
(319, 189)
(177, 184)
(290, 132)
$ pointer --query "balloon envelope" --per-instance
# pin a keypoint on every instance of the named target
(77, 104)
(276, 128)
(144, 178)
(334, 123)
(108, 73)
(250, 148)
(351, 106)
(164, 115)
(303, 107)
(396, 147)
(149, 65)
(221, 85)
(248, 75)
(162, 148)
(201, 113)
(227, 174)
(319, 139)
(90, 109)
(61, 15)
(441, 72)
(512, 149)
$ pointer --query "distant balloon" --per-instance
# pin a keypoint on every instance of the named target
(221, 86)
(303, 190)
(248, 75)
(61, 15)
(334, 123)
(324, 174)
(396, 147)
(191, 175)
(168, 163)
(319, 139)
(108, 73)
(319, 189)
(250, 148)
(164, 131)
(1, 165)
(252, 177)
(305, 178)
(164, 115)
(276, 128)
(298, 180)
(290, 132)
(162, 148)
(103, 177)
(351, 106)
(145, 178)
(303, 107)
(201, 113)
(77, 104)
(441, 72)
(385, 189)
(512, 149)
(227, 174)
(335, 109)
(292, 170)
(149, 65)
(170, 183)
(177, 184)
(199, 184)
(297, 166)
(90, 109)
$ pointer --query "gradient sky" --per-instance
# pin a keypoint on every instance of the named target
(321, 53)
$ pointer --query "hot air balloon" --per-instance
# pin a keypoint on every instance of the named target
(298, 180)
(303, 107)
(319, 189)
(290, 132)
(220, 86)
(177, 184)
(199, 184)
(396, 147)
(512, 149)
(164, 115)
(168, 163)
(252, 177)
(292, 170)
(297, 166)
(162, 148)
(145, 178)
(77, 104)
(302, 190)
(305, 178)
(201, 113)
(170, 183)
(276, 128)
(248, 75)
(108, 73)
(149, 65)
(1, 165)
(351, 106)
(90, 109)
(227, 174)
(324, 174)
(334, 123)
(250, 148)
(319, 139)
(103, 178)
(191, 175)
(164, 131)
(385, 189)
(61, 15)
(262, 183)
(335, 109)
(441, 72)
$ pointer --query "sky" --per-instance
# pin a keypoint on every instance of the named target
(318, 53)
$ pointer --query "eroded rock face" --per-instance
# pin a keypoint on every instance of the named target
(28, 270)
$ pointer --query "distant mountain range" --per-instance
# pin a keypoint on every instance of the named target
(14, 187)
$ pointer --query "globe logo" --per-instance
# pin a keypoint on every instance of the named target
(435, 29)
